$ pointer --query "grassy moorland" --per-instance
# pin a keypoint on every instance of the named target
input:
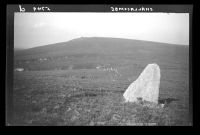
(81, 82)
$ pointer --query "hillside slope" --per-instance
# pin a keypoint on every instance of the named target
(98, 45)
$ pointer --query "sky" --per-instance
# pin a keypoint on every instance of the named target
(38, 29)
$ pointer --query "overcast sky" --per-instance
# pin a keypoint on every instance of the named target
(37, 29)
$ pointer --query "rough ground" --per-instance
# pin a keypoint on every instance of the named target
(71, 98)
(81, 82)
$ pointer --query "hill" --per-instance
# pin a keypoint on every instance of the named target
(91, 52)
(98, 45)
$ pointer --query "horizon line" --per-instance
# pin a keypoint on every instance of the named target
(101, 37)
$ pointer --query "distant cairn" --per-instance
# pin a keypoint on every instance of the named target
(19, 69)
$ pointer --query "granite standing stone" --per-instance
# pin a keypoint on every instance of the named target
(146, 87)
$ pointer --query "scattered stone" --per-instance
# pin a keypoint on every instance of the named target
(88, 110)
(44, 110)
(34, 102)
(124, 120)
(161, 105)
(29, 121)
(76, 112)
(146, 86)
(56, 107)
(42, 59)
(116, 117)
(74, 117)
(91, 123)
(129, 123)
(101, 123)
(149, 104)
(69, 109)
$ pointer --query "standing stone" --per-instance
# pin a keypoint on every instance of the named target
(146, 87)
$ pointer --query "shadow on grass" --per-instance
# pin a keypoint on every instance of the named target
(91, 108)
(86, 94)
(167, 101)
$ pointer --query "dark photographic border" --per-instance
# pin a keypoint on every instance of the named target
(12, 8)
